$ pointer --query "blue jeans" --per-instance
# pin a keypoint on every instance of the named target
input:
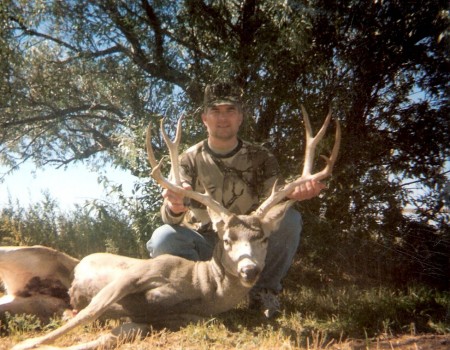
(283, 243)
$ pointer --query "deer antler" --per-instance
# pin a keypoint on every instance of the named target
(311, 142)
(176, 187)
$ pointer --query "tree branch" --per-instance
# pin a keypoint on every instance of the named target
(159, 68)
(64, 113)
(95, 54)
(156, 25)
(33, 32)
(423, 179)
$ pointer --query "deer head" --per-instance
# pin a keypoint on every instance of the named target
(244, 238)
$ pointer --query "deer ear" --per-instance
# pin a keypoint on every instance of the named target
(271, 221)
(218, 221)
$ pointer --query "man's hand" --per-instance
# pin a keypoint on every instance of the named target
(175, 201)
(307, 190)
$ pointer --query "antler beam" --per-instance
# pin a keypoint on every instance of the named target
(311, 143)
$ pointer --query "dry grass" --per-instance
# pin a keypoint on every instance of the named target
(215, 335)
(243, 329)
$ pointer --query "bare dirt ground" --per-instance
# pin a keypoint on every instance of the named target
(405, 342)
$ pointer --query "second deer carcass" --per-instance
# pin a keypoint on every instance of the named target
(35, 281)
(169, 289)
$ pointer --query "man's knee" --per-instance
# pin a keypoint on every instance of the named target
(174, 240)
(162, 241)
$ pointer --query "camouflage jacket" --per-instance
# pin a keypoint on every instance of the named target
(239, 180)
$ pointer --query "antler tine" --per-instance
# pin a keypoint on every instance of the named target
(311, 142)
(156, 173)
(173, 147)
(150, 154)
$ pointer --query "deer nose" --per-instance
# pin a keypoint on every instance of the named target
(249, 273)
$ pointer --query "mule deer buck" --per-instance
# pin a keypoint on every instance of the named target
(169, 289)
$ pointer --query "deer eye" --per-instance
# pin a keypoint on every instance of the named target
(227, 242)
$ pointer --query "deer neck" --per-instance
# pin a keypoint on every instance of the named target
(225, 278)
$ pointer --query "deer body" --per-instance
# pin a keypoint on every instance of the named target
(196, 288)
(163, 287)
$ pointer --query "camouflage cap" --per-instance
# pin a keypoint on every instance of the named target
(221, 94)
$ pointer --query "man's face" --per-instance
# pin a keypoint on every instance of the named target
(223, 121)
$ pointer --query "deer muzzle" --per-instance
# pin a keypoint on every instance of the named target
(249, 274)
